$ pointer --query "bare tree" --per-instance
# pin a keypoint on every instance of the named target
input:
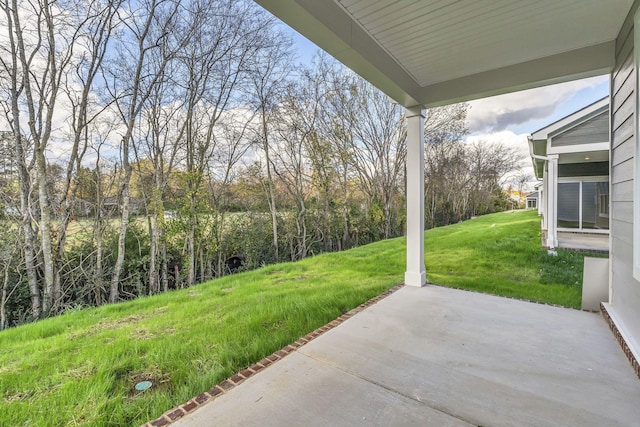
(464, 180)
(215, 62)
(379, 152)
(13, 69)
(339, 111)
(297, 132)
(55, 54)
(97, 25)
(268, 80)
(232, 146)
(160, 129)
(489, 164)
(154, 35)
(102, 186)
(446, 124)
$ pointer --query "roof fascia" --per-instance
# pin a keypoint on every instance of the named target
(579, 148)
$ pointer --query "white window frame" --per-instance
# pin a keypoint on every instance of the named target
(604, 204)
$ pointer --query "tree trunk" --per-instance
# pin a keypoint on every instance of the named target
(114, 291)
(303, 231)
(153, 254)
(328, 246)
(30, 241)
(164, 261)
(50, 294)
(191, 248)
(271, 198)
(345, 209)
(98, 285)
(29, 233)
(387, 217)
(3, 296)
(202, 264)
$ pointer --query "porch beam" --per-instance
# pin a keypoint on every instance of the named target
(416, 273)
(576, 64)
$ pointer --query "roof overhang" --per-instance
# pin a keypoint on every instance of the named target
(436, 52)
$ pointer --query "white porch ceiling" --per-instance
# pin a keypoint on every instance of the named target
(432, 52)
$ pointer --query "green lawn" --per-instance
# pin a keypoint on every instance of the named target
(80, 368)
(500, 254)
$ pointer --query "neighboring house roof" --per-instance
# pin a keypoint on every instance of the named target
(572, 120)
(532, 196)
(582, 136)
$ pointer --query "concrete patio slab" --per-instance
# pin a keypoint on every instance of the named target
(443, 357)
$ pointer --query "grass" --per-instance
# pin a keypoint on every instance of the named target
(500, 254)
(81, 368)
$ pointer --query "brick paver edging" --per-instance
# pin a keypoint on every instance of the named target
(178, 412)
(635, 363)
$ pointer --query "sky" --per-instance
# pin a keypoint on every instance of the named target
(510, 118)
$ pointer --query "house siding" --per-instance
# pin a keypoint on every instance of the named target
(622, 154)
(622, 172)
(592, 131)
(623, 131)
(625, 290)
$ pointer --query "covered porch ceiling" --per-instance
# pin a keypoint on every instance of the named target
(435, 52)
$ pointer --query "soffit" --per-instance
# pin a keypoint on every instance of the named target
(440, 40)
(585, 157)
(431, 52)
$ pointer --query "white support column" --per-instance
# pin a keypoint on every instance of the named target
(541, 197)
(552, 202)
(545, 205)
(415, 274)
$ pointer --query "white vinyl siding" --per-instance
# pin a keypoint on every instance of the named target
(592, 131)
(624, 235)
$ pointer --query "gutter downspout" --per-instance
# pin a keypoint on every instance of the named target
(539, 157)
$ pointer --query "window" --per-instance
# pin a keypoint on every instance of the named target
(583, 205)
(569, 205)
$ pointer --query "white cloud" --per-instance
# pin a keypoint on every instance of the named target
(502, 112)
